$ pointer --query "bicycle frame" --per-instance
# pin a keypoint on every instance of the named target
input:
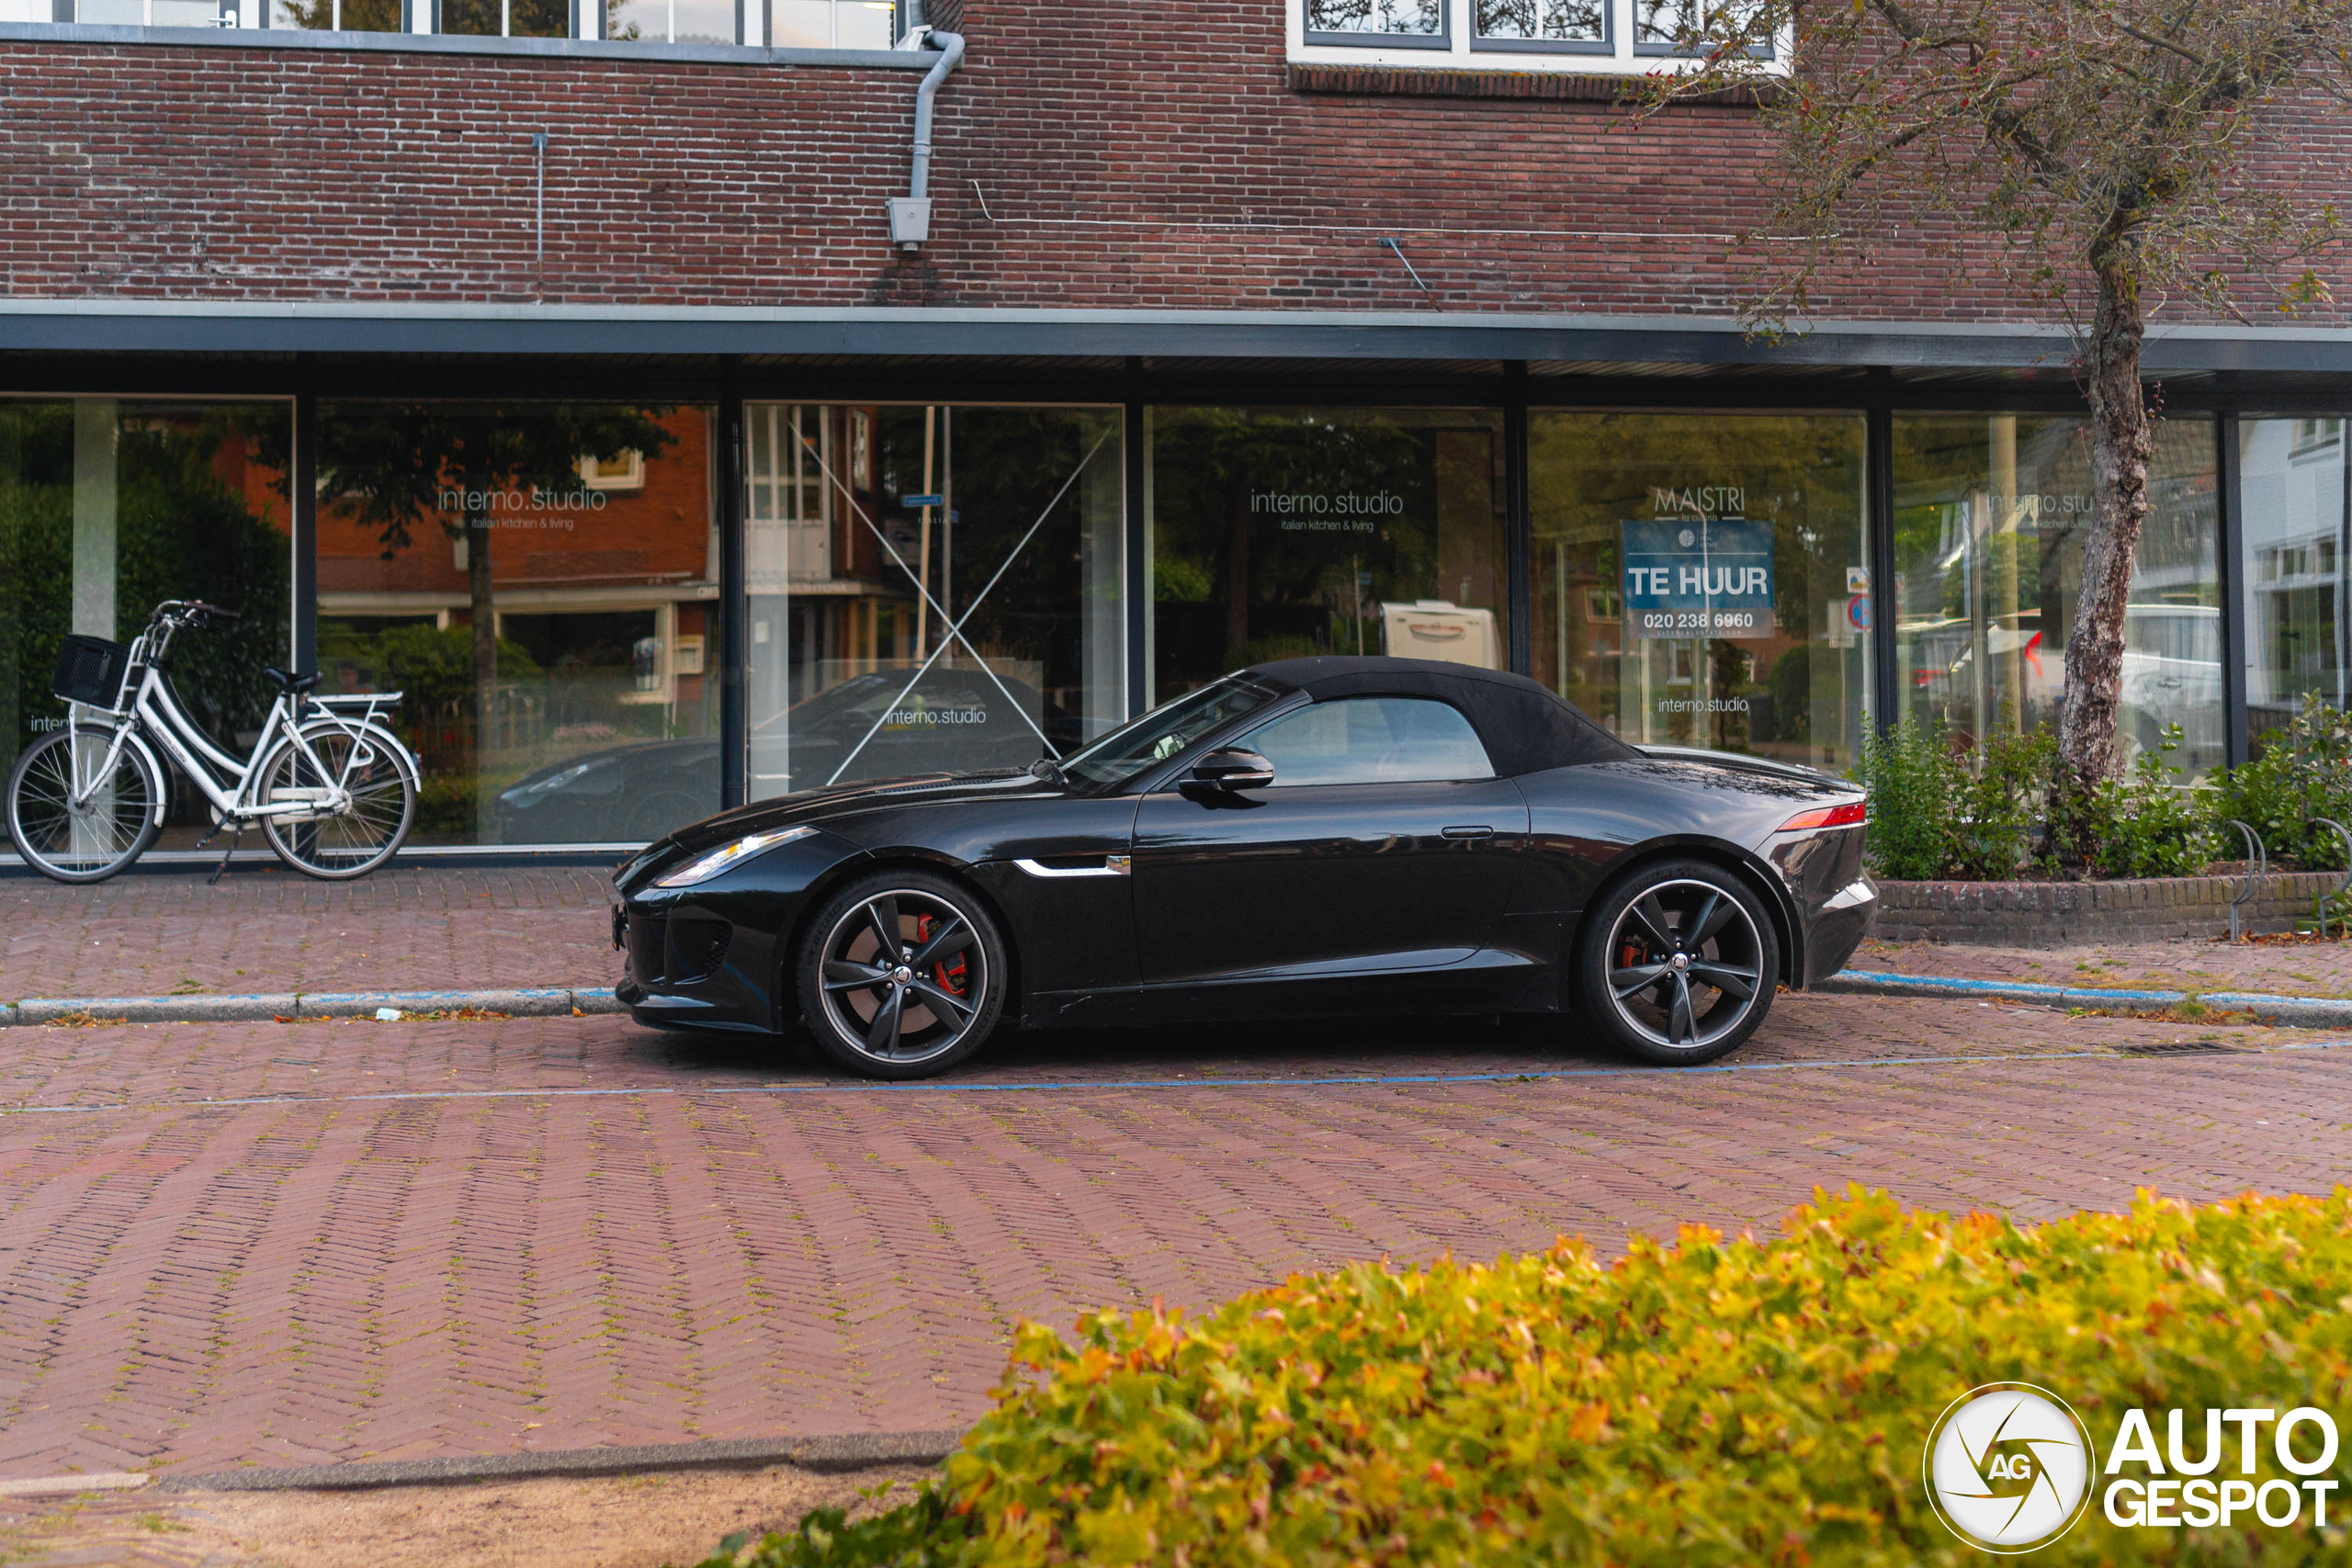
(155, 713)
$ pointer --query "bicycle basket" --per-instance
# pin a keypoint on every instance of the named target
(90, 671)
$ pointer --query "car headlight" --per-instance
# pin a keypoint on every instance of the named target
(704, 867)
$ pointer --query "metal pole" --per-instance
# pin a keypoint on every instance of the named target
(2230, 549)
(1879, 521)
(1517, 524)
(302, 504)
(732, 603)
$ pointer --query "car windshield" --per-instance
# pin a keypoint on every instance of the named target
(1164, 731)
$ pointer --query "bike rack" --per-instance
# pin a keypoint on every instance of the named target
(2257, 868)
(2342, 887)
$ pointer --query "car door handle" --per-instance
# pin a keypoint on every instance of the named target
(1473, 830)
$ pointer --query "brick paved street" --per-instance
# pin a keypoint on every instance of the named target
(263, 929)
(2293, 966)
(342, 1241)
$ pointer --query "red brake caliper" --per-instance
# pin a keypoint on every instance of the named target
(949, 974)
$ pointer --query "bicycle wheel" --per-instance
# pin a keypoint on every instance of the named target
(115, 823)
(371, 825)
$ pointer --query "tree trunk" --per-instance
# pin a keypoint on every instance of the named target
(2121, 444)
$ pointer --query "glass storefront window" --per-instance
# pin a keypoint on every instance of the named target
(1282, 531)
(1989, 517)
(1700, 580)
(2293, 490)
(542, 581)
(932, 589)
(107, 508)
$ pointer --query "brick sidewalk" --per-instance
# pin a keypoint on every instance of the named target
(335, 1242)
(263, 928)
(2290, 966)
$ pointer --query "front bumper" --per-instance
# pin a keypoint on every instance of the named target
(686, 967)
(715, 955)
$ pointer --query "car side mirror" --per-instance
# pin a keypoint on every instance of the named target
(1229, 770)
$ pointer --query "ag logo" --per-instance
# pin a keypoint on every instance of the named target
(2008, 1467)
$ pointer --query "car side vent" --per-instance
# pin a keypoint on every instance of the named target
(697, 947)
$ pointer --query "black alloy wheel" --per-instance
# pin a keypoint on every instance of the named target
(902, 975)
(1679, 964)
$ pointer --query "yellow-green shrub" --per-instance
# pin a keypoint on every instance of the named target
(1712, 1401)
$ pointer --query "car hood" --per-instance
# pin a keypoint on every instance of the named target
(816, 808)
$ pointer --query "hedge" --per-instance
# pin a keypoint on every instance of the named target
(1710, 1402)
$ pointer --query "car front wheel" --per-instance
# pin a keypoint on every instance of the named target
(1679, 963)
(902, 975)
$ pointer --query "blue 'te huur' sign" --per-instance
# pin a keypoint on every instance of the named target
(1689, 578)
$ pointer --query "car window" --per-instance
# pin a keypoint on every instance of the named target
(1371, 740)
(1163, 733)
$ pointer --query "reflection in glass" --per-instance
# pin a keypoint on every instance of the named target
(801, 24)
(1990, 513)
(1425, 17)
(346, 16)
(540, 582)
(932, 590)
(703, 22)
(1556, 20)
(107, 509)
(863, 24)
(1371, 740)
(1282, 532)
(2292, 481)
(1696, 578)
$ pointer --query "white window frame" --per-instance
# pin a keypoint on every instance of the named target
(1458, 50)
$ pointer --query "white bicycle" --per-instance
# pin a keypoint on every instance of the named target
(329, 784)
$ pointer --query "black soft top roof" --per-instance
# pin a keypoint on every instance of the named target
(1526, 727)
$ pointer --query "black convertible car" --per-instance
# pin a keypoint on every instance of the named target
(1313, 837)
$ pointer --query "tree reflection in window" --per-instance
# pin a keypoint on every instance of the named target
(1422, 18)
(1559, 21)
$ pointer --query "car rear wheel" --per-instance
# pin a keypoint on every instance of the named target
(902, 975)
(1679, 963)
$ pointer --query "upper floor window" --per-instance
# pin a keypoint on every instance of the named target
(1395, 22)
(1619, 36)
(779, 24)
(1526, 24)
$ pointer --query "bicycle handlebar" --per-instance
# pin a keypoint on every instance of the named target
(193, 610)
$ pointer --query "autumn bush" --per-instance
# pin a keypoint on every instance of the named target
(1715, 1400)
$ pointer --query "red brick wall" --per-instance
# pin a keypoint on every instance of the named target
(1160, 163)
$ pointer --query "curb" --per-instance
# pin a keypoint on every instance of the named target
(547, 1002)
(2297, 1013)
(842, 1451)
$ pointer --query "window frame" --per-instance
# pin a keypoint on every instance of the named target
(1440, 39)
(1459, 47)
(1606, 44)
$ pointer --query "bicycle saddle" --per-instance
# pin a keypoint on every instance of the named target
(293, 685)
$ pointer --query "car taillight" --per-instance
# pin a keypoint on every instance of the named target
(1851, 814)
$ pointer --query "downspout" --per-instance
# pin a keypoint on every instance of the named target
(911, 214)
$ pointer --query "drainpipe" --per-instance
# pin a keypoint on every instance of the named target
(911, 214)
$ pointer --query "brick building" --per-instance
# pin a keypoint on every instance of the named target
(1236, 330)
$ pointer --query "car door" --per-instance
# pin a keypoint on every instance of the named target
(1385, 843)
